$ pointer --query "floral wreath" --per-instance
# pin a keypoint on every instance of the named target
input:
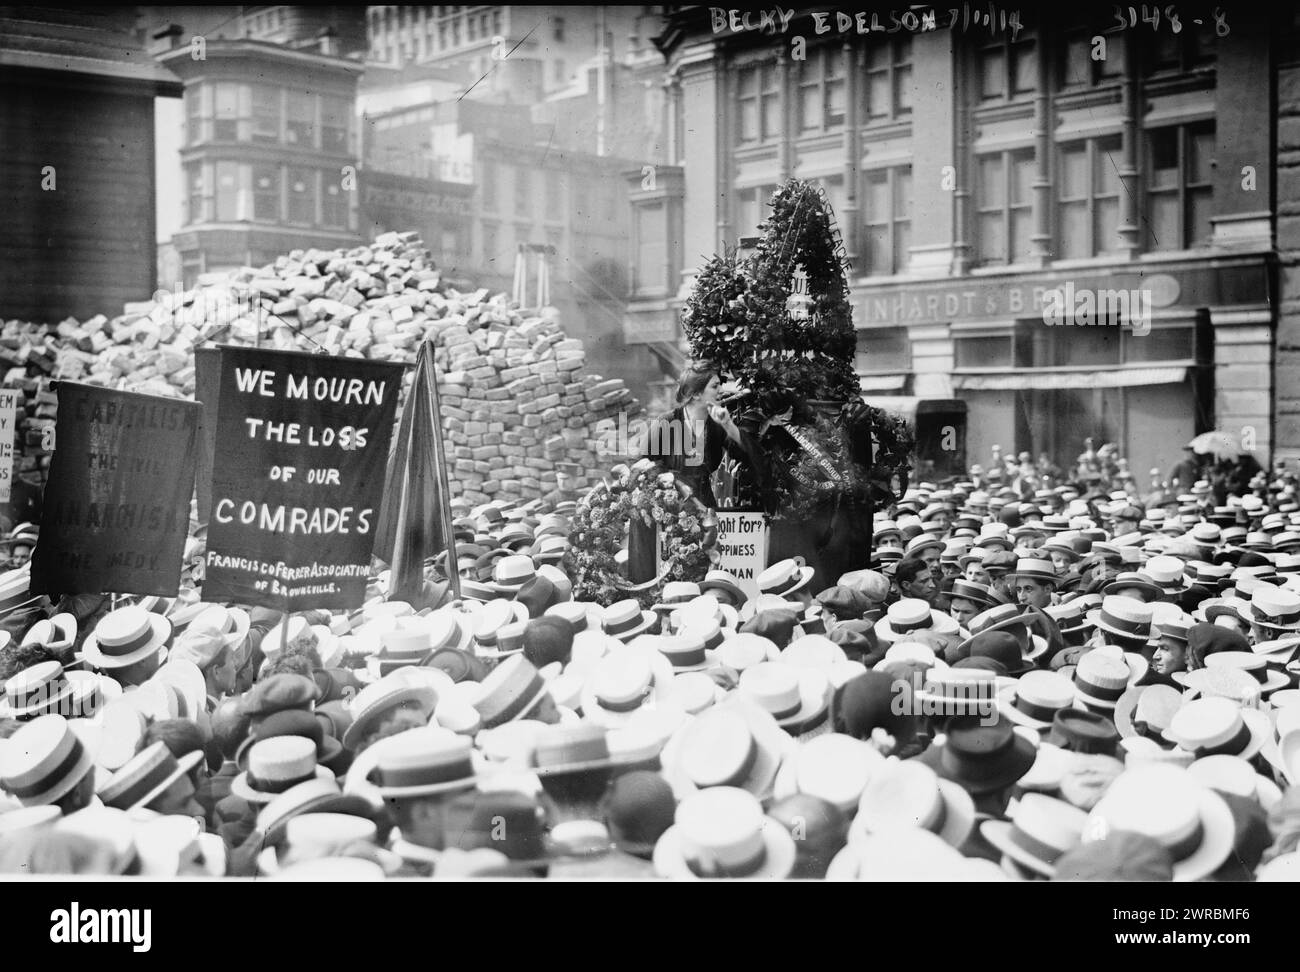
(688, 530)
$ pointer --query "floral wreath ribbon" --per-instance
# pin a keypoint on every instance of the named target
(818, 455)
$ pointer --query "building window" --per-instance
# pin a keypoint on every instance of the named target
(489, 187)
(227, 194)
(266, 193)
(1165, 52)
(557, 24)
(333, 201)
(1088, 205)
(266, 113)
(883, 350)
(334, 119)
(554, 194)
(889, 80)
(752, 208)
(888, 220)
(196, 211)
(821, 91)
(195, 116)
(491, 243)
(302, 196)
(226, 125)
(651, 267)
(300, 119)
(523, 192)
(760, 103)
(1179, 188)
(1004, 204)
(1076, 64)
(1008, 69)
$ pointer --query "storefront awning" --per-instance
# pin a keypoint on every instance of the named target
(881, 383)
(1048, 380)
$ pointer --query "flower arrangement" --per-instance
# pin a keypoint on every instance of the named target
(687, 530)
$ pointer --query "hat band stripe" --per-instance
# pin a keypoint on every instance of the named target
(1093, 690)
(746, 766)
(906, 626)
(278, 786)
(524, 699)
(1277, 620)
(1128, 627)
(631, 705)
(1043, 713)
(715, 642)
(695, 656)
(1183, 849)
(618, 627)
(705, 869)
(141, 787)
(461, 769)
(453, 636)
(787, 712)
(939, 818)
(1033, 846)
(1238, 743)
(135, 644)
(46, 693)
(53, 776)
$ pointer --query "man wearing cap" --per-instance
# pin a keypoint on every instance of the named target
(1034, 583)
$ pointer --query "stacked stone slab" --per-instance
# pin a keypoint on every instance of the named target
(520, 412)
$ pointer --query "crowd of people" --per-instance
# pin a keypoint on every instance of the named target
(1027, 683)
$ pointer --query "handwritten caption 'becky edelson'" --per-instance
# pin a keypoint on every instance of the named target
(777, 20)
(301, 450)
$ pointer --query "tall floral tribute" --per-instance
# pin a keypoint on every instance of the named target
(779, 323)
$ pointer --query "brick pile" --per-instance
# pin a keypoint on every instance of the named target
(520, 412)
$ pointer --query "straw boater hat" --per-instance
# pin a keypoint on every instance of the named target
(56, 634)
(512, 572)
(276, 765)
(722, 832)
(905, 794)
(312, 796)
(1218, 726)
(1123, 616)
(732, 743)
(797, 698)
(1035, 699)
(1040, 831)
(625, 620)
(785, 577)
(126, 636)
(721, 580)
(909, 615)
(420, 763)
(1192, 822)
(1275, 610)
(147, 777)
(1255, 665)
(564, 750)
(37, 690)
(385, 695)
(1035, 569)
(832, 767)
(622, 682)
(43, 761)
(675, 594)
(510, 691)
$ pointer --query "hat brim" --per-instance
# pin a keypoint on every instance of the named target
(362, 721)
(805, 578)
(427, 789)
(1022, 752)
(940, 624)
(84, 765)
(184, 765)
(718, 585)
(778, 863)
(998, 833)
(648, 619)
(239, 787)
(161, 630)
(1007, 706)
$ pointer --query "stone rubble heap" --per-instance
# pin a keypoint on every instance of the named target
(520, 413)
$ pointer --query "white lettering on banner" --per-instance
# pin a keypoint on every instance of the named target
(742, 542)
(8, 418)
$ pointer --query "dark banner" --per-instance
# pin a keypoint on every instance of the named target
(301, 449)
(117, 504)
(207, 383)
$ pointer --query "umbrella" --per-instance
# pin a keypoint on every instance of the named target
(1220, 445)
